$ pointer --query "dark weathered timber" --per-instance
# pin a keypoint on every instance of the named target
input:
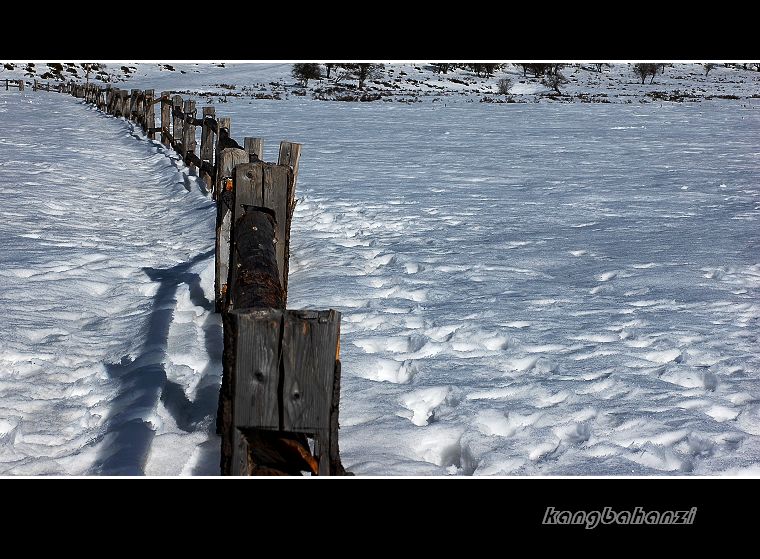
(336, 466)
(255, 148)
(279, 385)
(178, 125)
(134, 95)
(166, 111)
(290, 155)
(188, 130)
(309, 343)
(277, 179)
(223, 122)
(257, 363)
(207, 144)
(227, 160)
(150, 113)
(266, 185)
(254, 276)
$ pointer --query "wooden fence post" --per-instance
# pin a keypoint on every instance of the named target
(150, 113)
(255, 148)
(222, 122)
(166, 112)
(207, 144)
(264, 185)
(227, 160)
(188, 131)
(140, 109)
(133, 96)
(177, 127)
(290, 155)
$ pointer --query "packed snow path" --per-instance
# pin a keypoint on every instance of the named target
(109, 354)
(532, 289)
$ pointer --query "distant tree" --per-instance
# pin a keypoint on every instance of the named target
(362, 72)
(88, 68)
(305, 72)
(554, 80)
(329, 67)
(644, 70)
(525, 68)
(489, 69)
(442, 67)
(504, 85)
(709, 67)
(538, 69)
(552, 69)
(599, 67)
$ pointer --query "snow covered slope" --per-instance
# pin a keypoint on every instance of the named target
(526, 288)
(616, 83)
(108, 337)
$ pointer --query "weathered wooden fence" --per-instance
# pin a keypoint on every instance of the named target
(18, 84)
(278, 405)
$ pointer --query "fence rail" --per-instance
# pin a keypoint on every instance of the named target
(279, 399)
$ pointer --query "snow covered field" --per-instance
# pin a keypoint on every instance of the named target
(526, 288)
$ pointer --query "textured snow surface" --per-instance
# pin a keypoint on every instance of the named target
(526, 289)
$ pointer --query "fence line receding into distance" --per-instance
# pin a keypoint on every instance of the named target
(279, 399)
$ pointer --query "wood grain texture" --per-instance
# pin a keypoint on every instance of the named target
(225, 203)
(290, 154)
(166, 115)
(257, 368)
(255, 148)
(177, 125)
(276, 179)
(188, 130)
(150, 113)
(207, 144)
(254, 276)
(309, 341)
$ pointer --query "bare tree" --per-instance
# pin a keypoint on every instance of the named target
(504, 85)
(305, 72)
(329, 67)
(709, 67)
(538, 69)
(489, 69)
(644, 70)
(442, 67)
(555, 81)
(362, 72)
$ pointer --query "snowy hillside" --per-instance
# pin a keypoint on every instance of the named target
(587, 83)
(527, 289)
